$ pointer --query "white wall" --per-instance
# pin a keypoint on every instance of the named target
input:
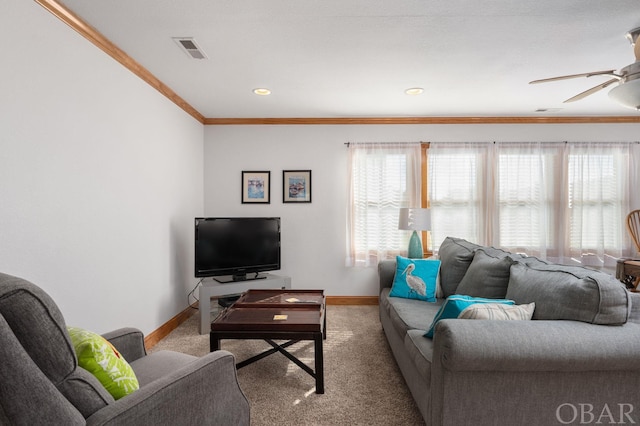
(313, 235)
(100, 178)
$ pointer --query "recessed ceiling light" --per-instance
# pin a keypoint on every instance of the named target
(414, 91)
(261, 91)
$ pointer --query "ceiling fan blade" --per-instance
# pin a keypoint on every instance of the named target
(636, 49)
(591, 91)
(566, 77)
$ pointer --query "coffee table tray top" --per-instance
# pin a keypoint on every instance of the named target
(295, 319)
(280, 299)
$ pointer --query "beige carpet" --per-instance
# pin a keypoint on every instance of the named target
(363, 385)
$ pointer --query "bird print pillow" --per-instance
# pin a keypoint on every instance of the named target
(415, 279)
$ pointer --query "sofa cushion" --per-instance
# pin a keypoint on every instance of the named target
(487, 276)
(498, 311)
(456, 255)
(415, 279)
(454, 305)
(100, 358)
(406, 314)
(159, 364)
(569, 293)
(534, 262)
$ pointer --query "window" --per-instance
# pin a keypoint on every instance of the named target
(527, 175)
(563, 201)
(384, 178)
(456, 200)
(597, 201)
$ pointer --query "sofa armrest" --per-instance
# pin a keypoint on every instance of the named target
(386, 273)
(128, 341)
(203, 392)
(532, 372)
(479, 345)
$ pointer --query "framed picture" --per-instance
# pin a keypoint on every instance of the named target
(256, 187)
(296, 186)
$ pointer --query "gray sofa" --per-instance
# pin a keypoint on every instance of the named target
(42, 384)
(576, 362)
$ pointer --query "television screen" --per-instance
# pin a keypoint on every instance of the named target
(235, 247)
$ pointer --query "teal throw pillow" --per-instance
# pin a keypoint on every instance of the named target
(455, 304)
(415, 279)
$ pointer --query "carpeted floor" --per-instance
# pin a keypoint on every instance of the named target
(363, 385)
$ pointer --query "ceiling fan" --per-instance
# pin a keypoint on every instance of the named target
(627, 92)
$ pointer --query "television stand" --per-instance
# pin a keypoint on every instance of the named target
(239, 277)
(210, 288)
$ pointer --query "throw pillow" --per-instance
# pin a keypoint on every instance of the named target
(99, 357)
(569, 293)
(487, 276)
(498, 311)
(454, 305)
(415, 279)
(456, 255)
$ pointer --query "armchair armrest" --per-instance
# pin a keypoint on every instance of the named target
(203, 392)
(128, 341)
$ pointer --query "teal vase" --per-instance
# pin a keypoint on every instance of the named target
(415, 246)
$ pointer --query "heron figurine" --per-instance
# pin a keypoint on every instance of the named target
(416, 285)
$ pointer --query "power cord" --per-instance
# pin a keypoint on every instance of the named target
(192, 294)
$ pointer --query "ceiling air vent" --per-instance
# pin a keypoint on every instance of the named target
(189, 46)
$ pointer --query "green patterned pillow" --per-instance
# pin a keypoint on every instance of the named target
(99, 357)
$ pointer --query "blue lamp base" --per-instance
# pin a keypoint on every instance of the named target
(415, 247)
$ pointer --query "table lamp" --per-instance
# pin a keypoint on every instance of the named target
(414, 220)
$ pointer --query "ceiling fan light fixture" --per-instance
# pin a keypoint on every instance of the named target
(261, 91)
(414, 91)
(632, 35)
(627, 94)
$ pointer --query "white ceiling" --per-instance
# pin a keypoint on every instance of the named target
(355, 58)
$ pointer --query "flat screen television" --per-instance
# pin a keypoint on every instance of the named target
(229, 248)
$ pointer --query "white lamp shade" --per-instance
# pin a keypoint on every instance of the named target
(414, 219)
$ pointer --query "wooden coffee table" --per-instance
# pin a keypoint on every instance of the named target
(291, 315)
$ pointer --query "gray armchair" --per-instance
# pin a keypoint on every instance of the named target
(41, 382)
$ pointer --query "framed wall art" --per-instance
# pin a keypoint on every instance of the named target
(256, 187)
(296, 186)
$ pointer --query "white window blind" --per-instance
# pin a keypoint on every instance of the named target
(598, 201)
(526, 198)
(456, 175)
(383, 178)
(562, 201)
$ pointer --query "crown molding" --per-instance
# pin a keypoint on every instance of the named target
(95, 37)
(421, 120)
